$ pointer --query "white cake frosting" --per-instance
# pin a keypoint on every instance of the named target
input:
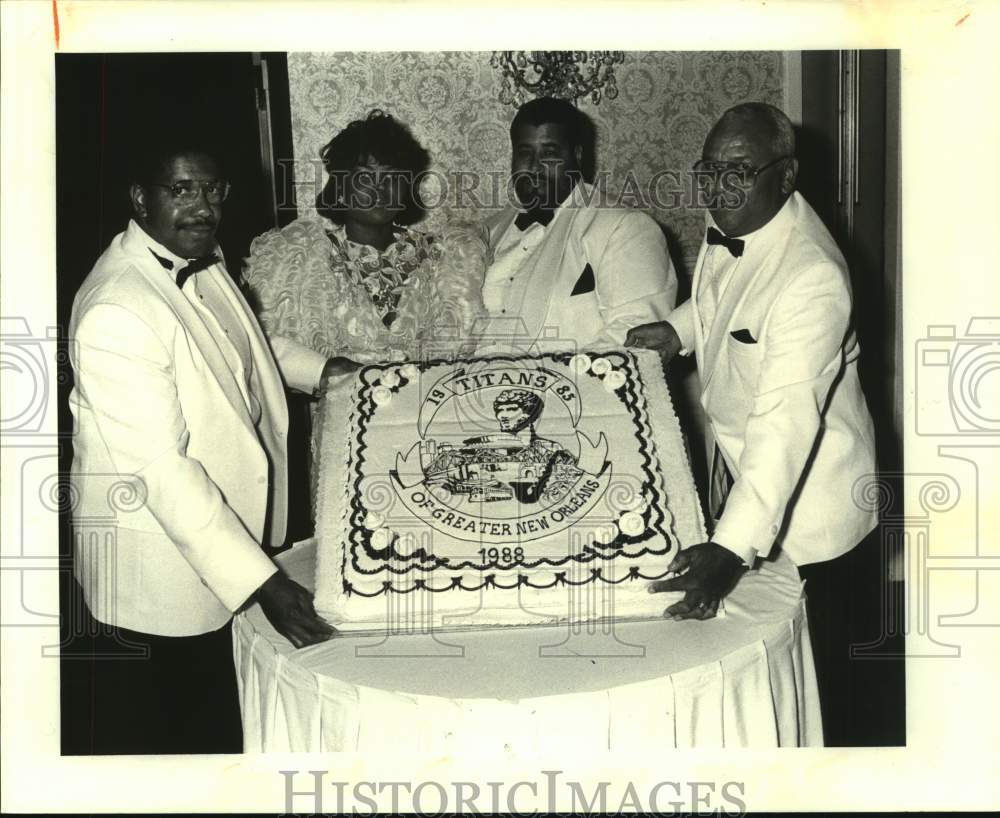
(500, 491)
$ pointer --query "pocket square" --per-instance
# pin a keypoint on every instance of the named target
(743, 336)
(585, 283)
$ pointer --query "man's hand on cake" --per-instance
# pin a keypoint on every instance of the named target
(289, 608)
(707, 572)
(335, 368)
(659, 335)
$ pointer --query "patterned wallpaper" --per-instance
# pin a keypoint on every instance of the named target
(667, 103)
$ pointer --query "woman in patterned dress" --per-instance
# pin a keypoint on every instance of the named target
(357, 281)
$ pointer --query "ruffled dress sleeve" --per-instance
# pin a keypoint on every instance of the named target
(444, 308)
(289, 280)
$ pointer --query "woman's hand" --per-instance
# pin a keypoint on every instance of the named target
(335, 368)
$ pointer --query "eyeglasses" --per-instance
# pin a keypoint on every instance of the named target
(187, 191)
(747, 171)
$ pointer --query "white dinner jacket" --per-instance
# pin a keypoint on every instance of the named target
(786, 411)
(635, 282)
(175, 487)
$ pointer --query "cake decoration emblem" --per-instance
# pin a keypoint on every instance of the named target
(601, 366)
(536, 472)
(381, 537)
(631, 524)
(614, 380)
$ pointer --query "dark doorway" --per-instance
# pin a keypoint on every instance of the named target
(106, 106)
(848, 148)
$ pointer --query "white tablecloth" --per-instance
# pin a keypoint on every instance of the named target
(742, 680)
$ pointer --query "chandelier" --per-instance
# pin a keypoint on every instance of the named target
(566, 74)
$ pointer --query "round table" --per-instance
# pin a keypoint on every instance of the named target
(744, 679)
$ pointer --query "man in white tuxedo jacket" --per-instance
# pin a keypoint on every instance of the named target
(769, 321)
(567, 268)
(178, 399)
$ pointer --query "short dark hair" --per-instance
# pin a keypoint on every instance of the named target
(578, 127)
(151, 156)
(383, 138)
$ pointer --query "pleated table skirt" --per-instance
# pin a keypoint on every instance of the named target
(745, 679)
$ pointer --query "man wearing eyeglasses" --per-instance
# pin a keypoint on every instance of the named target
(769, 323)
(176, 397)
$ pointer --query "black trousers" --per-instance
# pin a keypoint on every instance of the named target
(138, 693)
(862, 696)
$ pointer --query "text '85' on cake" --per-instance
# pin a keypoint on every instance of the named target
(500, 491)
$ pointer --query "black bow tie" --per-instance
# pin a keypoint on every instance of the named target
(194, 266)
(529, 217)
(734, 246)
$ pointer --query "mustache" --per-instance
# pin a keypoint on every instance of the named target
(197, 223)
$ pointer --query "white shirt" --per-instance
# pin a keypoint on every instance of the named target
(716, 272)
(204, 292)
(534, 290)
(507, 278)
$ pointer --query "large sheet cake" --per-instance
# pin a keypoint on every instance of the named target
(500, 491)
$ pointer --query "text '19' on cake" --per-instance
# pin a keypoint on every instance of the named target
(500, 491)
